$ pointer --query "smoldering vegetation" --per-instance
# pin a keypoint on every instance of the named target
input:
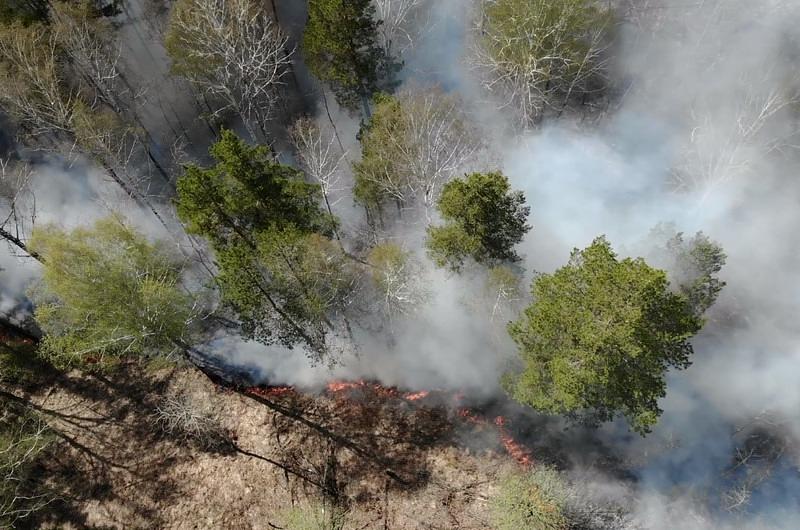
(686, 119)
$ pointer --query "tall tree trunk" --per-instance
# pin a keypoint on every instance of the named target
(330, 119)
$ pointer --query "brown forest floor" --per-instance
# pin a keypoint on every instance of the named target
(394, 464)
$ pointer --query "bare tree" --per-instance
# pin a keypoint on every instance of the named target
(192, 419)
(320, 156)
(397, 277)
(759, 446)
(17, 453)
(504, 286)
(51, 106)
(92, 53)
(16, 193)
(32, 87)
(233, 50)
(402, 23)
(415, 143)
(536, 55)
(725, 143)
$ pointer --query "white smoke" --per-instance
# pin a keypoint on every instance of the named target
(698, 133)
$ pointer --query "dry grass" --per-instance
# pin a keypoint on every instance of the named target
(389, 464)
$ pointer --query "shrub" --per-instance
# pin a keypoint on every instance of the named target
(533, 500)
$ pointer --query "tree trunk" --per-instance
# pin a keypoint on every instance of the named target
(11, 238)
(330, 119)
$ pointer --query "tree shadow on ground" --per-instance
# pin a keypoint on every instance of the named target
(359, 444)
(107, 449)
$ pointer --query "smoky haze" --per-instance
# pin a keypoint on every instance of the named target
(701, 133)
(700, 130)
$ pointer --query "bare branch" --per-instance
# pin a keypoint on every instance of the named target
(232, 49)
(535, 55)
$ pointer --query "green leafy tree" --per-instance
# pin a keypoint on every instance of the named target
(278, 268)
(534, 500)
(484, 219)
(377, 175)
(340, 46)
(107, 292)
(599, 338)
(312, 274)
(245, 192)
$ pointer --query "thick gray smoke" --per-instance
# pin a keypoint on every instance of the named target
(70, 196)
(704, 138)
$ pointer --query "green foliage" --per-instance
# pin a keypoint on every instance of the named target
(694, 265)
(311, 272)
(340, 46)
(107, 292)
(533, 500)
(599, 338)
(278, 268)
(569, 21)
(247, 191)
(450, 245)
(412, 144)
(306, 276)
(378, 175)
(484, 219)
(20, 364)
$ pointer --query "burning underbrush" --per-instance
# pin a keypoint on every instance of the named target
(352, 398)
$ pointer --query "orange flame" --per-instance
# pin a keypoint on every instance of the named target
(387, 391)
(339, 386)
(271, 391)
(517, 451)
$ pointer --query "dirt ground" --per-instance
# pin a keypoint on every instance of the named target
(390, 464)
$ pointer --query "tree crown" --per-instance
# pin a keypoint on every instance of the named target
(484, 219)
(107, 292)
(247, 191)
(599, 337)
(340, 44)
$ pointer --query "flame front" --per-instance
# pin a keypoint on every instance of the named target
(517, 451)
